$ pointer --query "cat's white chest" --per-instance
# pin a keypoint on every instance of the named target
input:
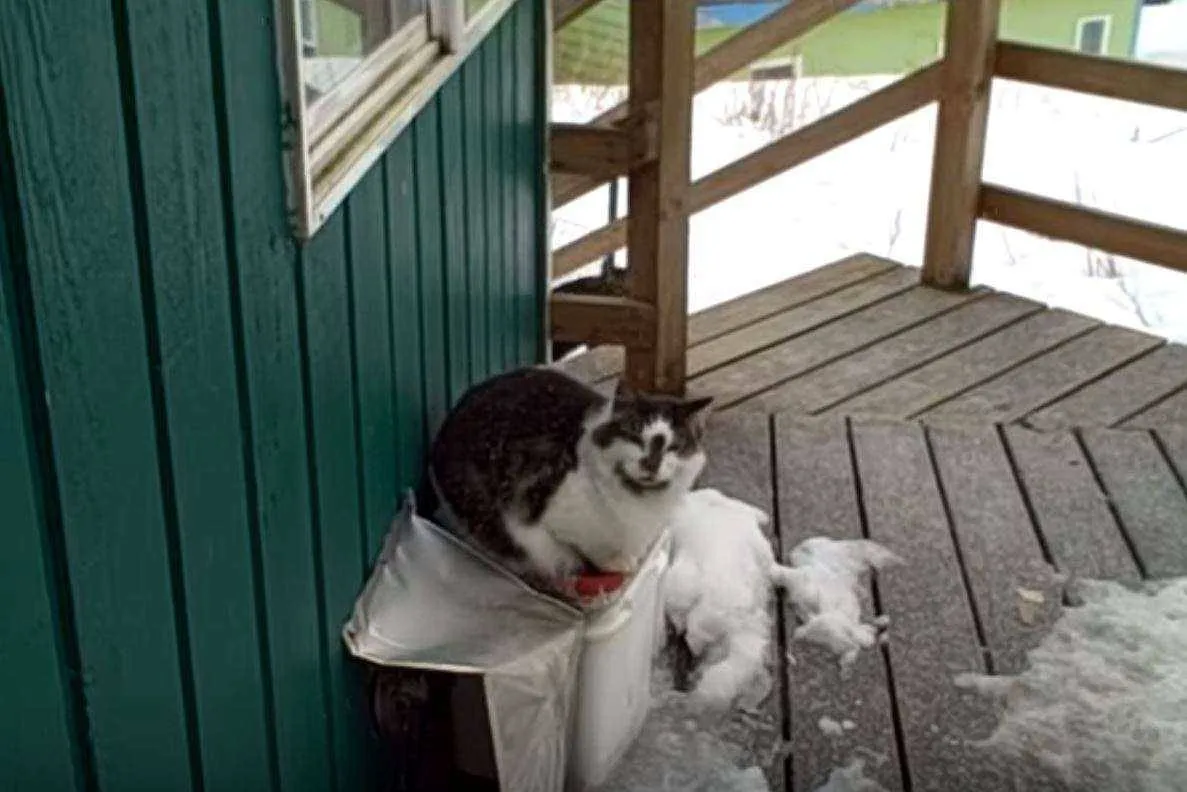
(602, 520)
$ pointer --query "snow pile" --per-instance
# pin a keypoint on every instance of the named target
(851, 778)
(831, 727)
(717, 593)
(823, 584)
(1104, 701)
(678, 750)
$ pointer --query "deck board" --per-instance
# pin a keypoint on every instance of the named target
(1126, 392)
(818, 496)
(1171, 411)
(1039, 382)
(1073, 513)
(892, 357)
(1148, 497)
(966, 368)
(769, 367)
(999, 548)
(934, 635)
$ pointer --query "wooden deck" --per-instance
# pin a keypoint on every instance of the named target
(989, 440)
(977, 511)
(862, 338)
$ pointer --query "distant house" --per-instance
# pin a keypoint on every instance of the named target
(874, 37)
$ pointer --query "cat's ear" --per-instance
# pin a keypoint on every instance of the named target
(693, 407)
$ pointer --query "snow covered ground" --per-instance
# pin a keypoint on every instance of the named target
(1103, 703)
(871, 194)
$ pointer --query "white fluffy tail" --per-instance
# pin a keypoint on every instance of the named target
(743, 666)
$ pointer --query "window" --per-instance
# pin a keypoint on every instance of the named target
(1092, 35)
(355, 73)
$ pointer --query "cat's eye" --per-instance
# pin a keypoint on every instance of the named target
(355, 73)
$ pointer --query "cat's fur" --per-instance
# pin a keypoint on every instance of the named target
(551, 477)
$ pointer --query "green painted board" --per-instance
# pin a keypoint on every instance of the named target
(509, 316)
(426, 144)
(371, 356)
(478, 267)
(404, 277)
(265, 265)
(492, 134)
(177, 141)
(36, 733)
(82, 253)
(453, 215)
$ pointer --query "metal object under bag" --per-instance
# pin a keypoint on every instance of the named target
(433, 603)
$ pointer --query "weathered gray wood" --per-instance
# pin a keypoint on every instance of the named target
(933, 635)
(917, 390)
(1122, 393)
(1172, 441)
(1044, 379)
(606, 361)
(788, 324)
(818, 497)
(1147, 496)
(1000, 552)
(739, 452)
(880, 363)
(1171, 411)
(735, 382)
(1072, 513)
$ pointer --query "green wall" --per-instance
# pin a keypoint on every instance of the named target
(204, 429)
(896, 40)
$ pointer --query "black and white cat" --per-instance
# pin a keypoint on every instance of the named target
(551, 477)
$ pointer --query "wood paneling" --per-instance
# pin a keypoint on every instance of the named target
(206, 428)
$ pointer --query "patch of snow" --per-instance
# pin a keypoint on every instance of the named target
(717, 592)
(679, 750)
(823, 583)
(830, 727)
(851, 778)
(1103, 703)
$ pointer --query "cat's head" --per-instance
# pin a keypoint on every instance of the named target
(652, 442)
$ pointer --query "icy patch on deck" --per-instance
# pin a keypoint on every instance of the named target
(683, 746)
(1104, 700)
(851, 778)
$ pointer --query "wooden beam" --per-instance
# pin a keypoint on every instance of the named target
(970, 36)
(1135, 82)
(783, 26)
(662, 52)
(594, 319)
(600, 151)
(865, 115)
(1093, 228)
(565, 11)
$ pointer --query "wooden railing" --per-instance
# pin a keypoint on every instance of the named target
(647, 140)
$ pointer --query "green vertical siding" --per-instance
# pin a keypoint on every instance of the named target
(205, 428)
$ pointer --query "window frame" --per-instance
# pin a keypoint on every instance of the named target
(330, 143)
(1106, 21)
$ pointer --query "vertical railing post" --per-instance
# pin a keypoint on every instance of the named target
(970, 41)
(661, 88)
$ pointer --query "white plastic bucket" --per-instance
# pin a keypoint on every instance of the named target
(614, 677)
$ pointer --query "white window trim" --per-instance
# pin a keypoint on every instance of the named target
(332, 143)
(1105, 38)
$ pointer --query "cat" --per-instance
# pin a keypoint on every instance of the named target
(611, 281)
(552, 478)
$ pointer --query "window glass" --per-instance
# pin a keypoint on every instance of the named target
(337, 35)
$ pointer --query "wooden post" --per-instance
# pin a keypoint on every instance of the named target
(661, 76)
(971, 38)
